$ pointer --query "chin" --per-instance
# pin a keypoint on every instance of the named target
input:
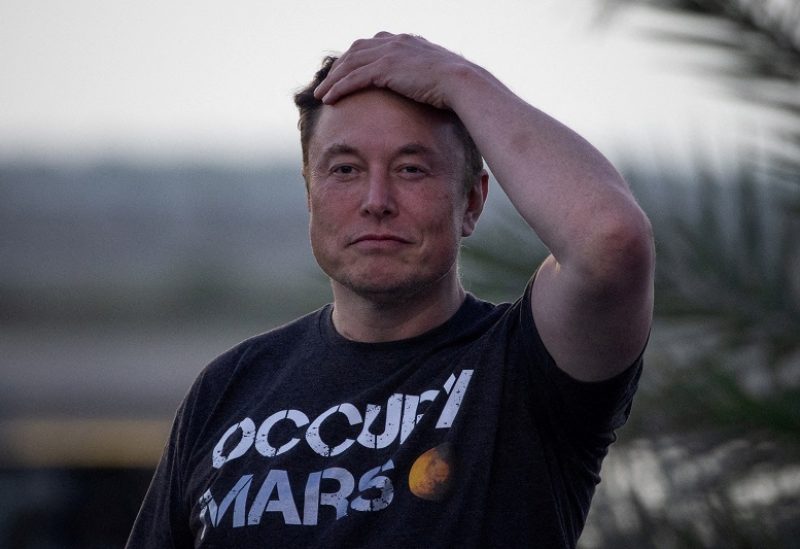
(394, 292)
(392, 288)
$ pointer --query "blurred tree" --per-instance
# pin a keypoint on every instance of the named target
(711, 458)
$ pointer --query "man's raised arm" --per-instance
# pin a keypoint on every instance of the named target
(593, 296)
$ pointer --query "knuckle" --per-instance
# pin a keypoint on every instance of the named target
(408, 37)
(358, 43)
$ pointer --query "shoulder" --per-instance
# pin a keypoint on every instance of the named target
(478, 318)
(236, 373)
(277, 341)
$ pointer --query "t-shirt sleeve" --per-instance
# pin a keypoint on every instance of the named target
(163, 518)
(582, 407)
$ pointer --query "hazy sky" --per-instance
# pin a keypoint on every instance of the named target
(214, 79)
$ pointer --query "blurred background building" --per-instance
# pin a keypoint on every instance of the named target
(152, 215)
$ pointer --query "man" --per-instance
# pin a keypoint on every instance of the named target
(409, 413)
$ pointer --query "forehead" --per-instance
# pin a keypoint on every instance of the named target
(379, 120)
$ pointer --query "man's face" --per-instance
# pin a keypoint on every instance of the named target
(386, 195)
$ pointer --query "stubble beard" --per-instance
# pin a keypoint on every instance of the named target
(391, 293)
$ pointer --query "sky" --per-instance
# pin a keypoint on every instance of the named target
(172, 79)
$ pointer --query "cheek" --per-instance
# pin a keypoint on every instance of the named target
(331, 202)
(322, 210)
(450, 217)
(444, 233)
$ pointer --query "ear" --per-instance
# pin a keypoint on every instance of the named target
(476, 198)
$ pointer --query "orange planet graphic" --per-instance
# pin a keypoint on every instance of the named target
(431, 476)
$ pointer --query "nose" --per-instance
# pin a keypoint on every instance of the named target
(379, 198)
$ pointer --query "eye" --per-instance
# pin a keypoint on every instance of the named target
(344, 172)
(344, 169)
(412, 171)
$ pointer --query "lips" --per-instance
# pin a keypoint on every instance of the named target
(380, 238)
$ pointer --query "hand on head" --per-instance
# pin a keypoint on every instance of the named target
(406, 64)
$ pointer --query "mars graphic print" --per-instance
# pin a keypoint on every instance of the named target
(465, 436)
(372, 490)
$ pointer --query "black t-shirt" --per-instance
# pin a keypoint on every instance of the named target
(465, 436)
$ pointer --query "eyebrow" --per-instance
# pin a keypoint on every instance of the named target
(337, 149)
(409, 149)
(414, 149)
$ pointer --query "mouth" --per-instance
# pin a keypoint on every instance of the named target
(378, 238)
(372, 243)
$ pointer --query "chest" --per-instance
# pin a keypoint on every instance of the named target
(311, 457)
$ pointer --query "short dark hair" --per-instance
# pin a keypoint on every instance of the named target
(309, 107)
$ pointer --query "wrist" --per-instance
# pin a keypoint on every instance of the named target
(464, 83)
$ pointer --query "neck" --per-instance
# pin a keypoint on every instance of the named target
(372, 319)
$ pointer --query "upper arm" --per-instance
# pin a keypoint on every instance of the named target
(594, 321)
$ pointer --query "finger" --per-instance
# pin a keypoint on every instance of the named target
(356, 79)
(334, 73)
(326, 83)
(360, 54)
